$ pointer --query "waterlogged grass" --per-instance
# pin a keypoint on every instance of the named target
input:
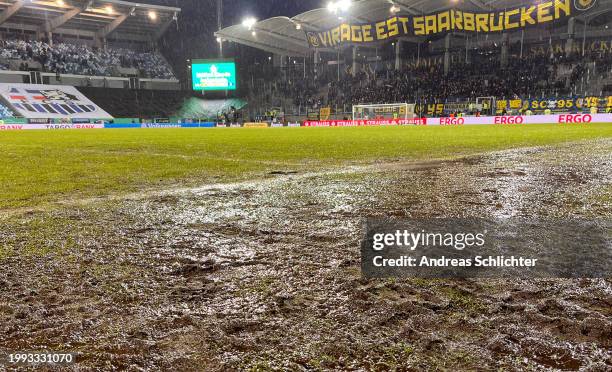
(39, 237)
(38, 167)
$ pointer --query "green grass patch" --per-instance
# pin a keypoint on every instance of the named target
(38, 237)
(466, 301)
(44, 166)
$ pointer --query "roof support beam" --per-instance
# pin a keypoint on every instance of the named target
(290, 39)
(263, 46)
(406, 8)
(358, 18)
(11, 10)
(104, 32)
(143, 6)
(309, 25)
(479, 4)
(75, 32)
(282, 39)
(162, 30)
(56, 22)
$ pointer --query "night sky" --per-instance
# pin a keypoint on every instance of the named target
(193, 36)
(235, 10)
(262, 9)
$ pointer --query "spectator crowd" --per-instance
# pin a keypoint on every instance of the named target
(483, 76)
(5, 112)
(65, 58)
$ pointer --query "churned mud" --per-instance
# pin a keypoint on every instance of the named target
(266, 275)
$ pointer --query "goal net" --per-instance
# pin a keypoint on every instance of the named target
(486, 105)
(384, 111)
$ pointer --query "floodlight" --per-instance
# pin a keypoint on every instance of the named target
(344, 5)
(249, 22)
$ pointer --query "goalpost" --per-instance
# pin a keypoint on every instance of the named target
(384, 111)
(486, 105)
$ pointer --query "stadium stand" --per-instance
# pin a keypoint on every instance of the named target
(137, 103)
(482, 77)
(5, 112)
(129, 103)
(321, 64)
(295, 77)
(65, 58)
(103, 44)
(556, 75)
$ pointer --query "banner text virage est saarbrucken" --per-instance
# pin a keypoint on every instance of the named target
(447, 21)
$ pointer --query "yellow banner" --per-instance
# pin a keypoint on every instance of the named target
(447, 21)
(325, 113)
(255, 125)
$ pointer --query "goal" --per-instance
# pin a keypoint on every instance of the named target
(486, 105)
(384, 111)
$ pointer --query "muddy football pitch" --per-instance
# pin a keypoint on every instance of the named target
(238, 249)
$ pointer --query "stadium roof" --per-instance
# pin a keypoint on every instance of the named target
(115, 19)
(285, 36)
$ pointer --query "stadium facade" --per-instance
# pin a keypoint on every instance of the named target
(564, 47)
(97, 21)
(444, 25)
(92, 24)
(440, 57)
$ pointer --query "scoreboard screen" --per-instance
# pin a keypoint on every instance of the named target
(210, 75)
